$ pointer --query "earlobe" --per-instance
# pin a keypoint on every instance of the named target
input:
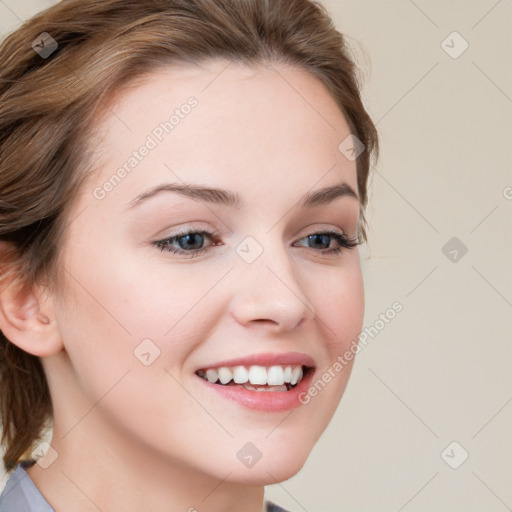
(28, 321)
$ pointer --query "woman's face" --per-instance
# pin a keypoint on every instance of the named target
(139, 320)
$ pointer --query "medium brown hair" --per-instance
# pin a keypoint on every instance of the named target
(48, 104)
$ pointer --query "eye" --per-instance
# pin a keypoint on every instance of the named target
(324, 238)
(191, 243)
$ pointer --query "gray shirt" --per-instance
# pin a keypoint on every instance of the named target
(20, 494)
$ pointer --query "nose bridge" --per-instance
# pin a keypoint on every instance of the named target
(269, 288)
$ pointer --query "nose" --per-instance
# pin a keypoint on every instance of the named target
(269, 293)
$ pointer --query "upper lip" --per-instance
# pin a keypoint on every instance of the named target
(266, 359)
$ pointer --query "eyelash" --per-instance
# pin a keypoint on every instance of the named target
(343, 240)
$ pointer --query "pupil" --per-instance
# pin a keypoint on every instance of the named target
(325, 238)
(188, 237)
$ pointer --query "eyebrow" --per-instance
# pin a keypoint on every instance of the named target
(230, 199)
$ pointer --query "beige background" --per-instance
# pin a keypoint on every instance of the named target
(440, 371)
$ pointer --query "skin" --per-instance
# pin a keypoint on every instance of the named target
(131, 437)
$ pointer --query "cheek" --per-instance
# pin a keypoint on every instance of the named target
(115, 303)
(339, 304)
(339, 307)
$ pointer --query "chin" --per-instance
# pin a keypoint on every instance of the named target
(272, 468)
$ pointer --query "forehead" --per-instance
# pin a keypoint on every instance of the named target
(248, 125)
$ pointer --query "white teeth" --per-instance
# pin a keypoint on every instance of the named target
(296, 375)
(225, 375)
(275, 388)
(275, 376)
(212, 375)
(240, 375)
(258, 375)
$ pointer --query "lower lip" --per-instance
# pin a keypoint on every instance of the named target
(265, 401)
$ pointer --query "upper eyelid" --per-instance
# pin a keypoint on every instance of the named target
(216, 234)
(213, 235)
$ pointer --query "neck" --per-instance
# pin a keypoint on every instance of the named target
(112, 474)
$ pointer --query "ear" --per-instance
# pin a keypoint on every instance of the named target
(27, 317)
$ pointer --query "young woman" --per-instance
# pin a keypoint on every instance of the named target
(182, 193)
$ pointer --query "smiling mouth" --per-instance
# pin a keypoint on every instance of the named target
(256, 377)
